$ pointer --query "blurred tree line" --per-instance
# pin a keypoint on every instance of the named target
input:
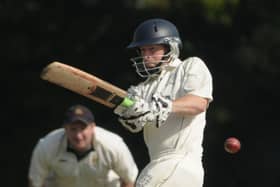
(239, 41)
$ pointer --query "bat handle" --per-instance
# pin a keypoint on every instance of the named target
(127, 102)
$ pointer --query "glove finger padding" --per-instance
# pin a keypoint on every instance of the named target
(161, 108)
(133, 125)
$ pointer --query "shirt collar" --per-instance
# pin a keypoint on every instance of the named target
(175, 62)
(79, 156)
(69, 149)
(169, 67)
(172, 65)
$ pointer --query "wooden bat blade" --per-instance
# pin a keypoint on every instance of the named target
(83, 83)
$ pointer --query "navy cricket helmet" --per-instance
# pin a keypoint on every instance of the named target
(155, 31)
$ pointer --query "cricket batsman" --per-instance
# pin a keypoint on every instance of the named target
(169, 106)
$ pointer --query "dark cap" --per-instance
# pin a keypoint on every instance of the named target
(78, 113)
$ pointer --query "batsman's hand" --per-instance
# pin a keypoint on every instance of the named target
(132, 109)
(130, 117)
(142, 113)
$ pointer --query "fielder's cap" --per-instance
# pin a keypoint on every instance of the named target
(78, 113)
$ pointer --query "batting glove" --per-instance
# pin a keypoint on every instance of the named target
(132, 95)
(161, 109)
(141, 113)
(130, 117)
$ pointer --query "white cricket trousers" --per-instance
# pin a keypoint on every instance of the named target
(172, 170)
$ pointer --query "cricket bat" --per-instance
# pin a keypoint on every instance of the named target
(85, 84)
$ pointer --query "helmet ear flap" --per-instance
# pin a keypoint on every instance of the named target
(173, 46)
(175, 49)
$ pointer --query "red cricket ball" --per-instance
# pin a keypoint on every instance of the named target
(232, 145)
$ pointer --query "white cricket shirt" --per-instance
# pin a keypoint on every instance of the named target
(180, 134)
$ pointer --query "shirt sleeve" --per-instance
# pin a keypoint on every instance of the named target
(38, 169)
(198, 79)
(124, 164)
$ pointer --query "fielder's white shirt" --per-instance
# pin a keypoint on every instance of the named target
(111, 160)
(180, 134)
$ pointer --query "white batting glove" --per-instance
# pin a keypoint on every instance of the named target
(132, 94)
(141, 113)
(161, 109)
(133, 124)
(130, 116)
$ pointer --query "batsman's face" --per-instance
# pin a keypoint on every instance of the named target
(80, 135)
(152, 54)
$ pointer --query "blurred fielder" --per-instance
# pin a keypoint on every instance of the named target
(81, 155)
(170, 106)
